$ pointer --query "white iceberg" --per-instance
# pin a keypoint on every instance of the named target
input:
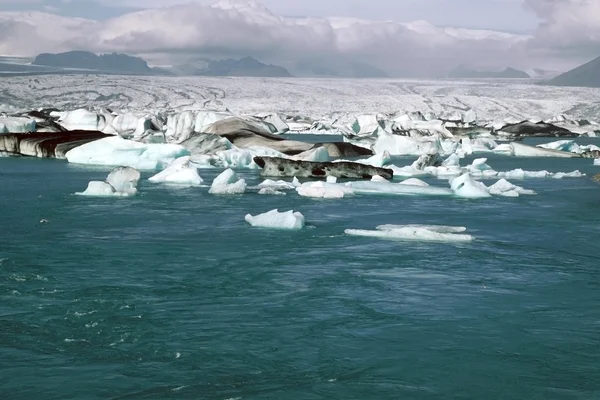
(273, 219)
(271, 192)
(507, 189)
(180, 172)
(121, 182)
(116, 151)
(228, 183)
(523, 150)
(597, 161)
(322, 190)
(398, 189)
(281, 185)
(465, 186)
(82, 119)
(426, 233)
(397, 145)
(17, 125)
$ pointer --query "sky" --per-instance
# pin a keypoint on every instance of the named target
(504, 15)
(407, 38)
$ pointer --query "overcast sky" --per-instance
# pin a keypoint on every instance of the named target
(524, 34)
(505, 15)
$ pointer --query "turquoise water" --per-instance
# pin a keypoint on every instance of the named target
(171, 295)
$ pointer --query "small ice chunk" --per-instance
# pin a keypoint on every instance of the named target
(378, 178)
(271, 184)
(507, 189)
(331, 179)
(100, 189)
(121, 182)
(321, 190)
(574, 174)
(434, 228)
(227, 183)
(413, 233)
(597, 161)
(273, 219)
(465, 186)
(414, 182)
(179, 172)
(271, 191)
(124, 180)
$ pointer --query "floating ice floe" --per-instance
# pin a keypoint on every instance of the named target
(228, 183)
(116, 151)
(397, 189)
(569, 146)
(507, 189)
(273, 219)
(397, 145)
(465, 186)
(427, 233)
(121, 182)
(324, 190)
(378, 160)
(17, 125)
(271, 192)
(180, 172)
(279, 185)
(597, 161)
(523, 150)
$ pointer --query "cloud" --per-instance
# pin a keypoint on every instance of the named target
(234, 28)
(569, 28)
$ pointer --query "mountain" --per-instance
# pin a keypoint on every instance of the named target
(115, 63)
(586, 75)
(247, 66)
(508, 73)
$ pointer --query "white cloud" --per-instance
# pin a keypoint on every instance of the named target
(235, 28)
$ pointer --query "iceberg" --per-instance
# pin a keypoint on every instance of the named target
(465, 186)
(116, 151)
(283, 185)
(228, 183)
(378, 160)
(597, 161)
(271, 192)
(121, 182)
(397, 145)
(523, 150)
(179, 172)
(323, 190)
(507, 189)
(17, 125)
(398, 189)
(426, 233)
(82, 119)
(273, 219)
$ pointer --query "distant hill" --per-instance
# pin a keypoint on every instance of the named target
(115, 63)
(586, 75)
(247, 66)
(508, 73)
